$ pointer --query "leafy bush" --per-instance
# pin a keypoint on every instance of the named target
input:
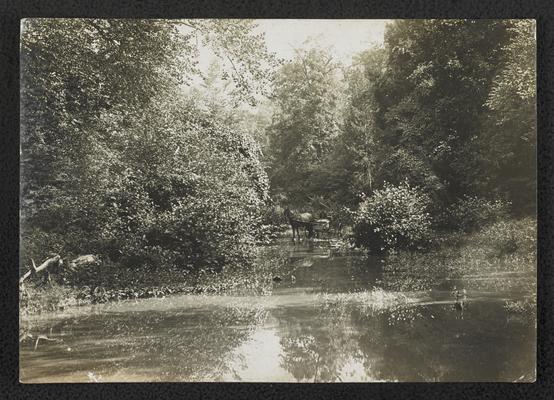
(273, 214)
(471, 213)
(505, 252)
(183, 191)
(394, 217)
(510, 237)
(116, 163)
(37, 298)
(342, 217)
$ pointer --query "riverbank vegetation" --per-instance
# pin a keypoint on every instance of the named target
(172, 175)
(487, 259)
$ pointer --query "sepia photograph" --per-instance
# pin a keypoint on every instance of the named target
(278, 200)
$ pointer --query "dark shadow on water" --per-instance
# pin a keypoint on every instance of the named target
(327, 320)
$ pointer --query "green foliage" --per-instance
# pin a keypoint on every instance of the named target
(248, 66)
(304, 124)
(509, 148)
(506, 250)
(430, 96)
(512, 238)
(183, 192)
(116, 163)
(471, 213)
(516, 81)
(448, 105)
(35, 299)
(218, 97)
(355, 154)
(442, 101)
(435, 105)
(394, 217)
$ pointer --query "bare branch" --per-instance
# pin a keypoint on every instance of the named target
(34, 269)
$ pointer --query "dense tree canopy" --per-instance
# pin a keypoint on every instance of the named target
(357, 149)
(509, 146)
(448, 105)
(304, 124)
(114, 163)
(432, 95)
(124, 153)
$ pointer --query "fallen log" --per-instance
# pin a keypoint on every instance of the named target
(56, 260)
(75, 264)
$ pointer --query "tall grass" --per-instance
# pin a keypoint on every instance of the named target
(505, 248)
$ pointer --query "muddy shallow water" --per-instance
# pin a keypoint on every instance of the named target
(327, 321)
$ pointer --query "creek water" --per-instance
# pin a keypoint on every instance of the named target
(326, 321)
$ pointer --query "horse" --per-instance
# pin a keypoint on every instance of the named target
(303, 220)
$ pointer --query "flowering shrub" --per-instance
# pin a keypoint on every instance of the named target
(470, 213)
(394, 217)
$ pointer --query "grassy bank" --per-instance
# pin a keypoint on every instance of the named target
(499, 257)
(112, 283)
(501, 249)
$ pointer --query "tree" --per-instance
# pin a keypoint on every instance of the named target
(509, 148)
(216, 95)
(355, 154)
(242, 51)
(186, 192)
(98, 100)
(431, 99)
(304, 124)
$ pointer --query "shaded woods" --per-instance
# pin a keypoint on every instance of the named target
(164, 170)
(118, 162)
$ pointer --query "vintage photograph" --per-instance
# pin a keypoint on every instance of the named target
(277, 200)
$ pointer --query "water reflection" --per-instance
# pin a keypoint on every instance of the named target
(178, 345)
(311, 348)
(328, 324)
(405, 343)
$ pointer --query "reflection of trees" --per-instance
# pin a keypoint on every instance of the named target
(182, 345)
(203, 351)
(316, 345)
(391, 343)
(406, 344)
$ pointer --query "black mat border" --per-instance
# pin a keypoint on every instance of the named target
(10, 14)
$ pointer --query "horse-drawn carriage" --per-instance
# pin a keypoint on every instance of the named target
(312, 227)
(321, 226)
